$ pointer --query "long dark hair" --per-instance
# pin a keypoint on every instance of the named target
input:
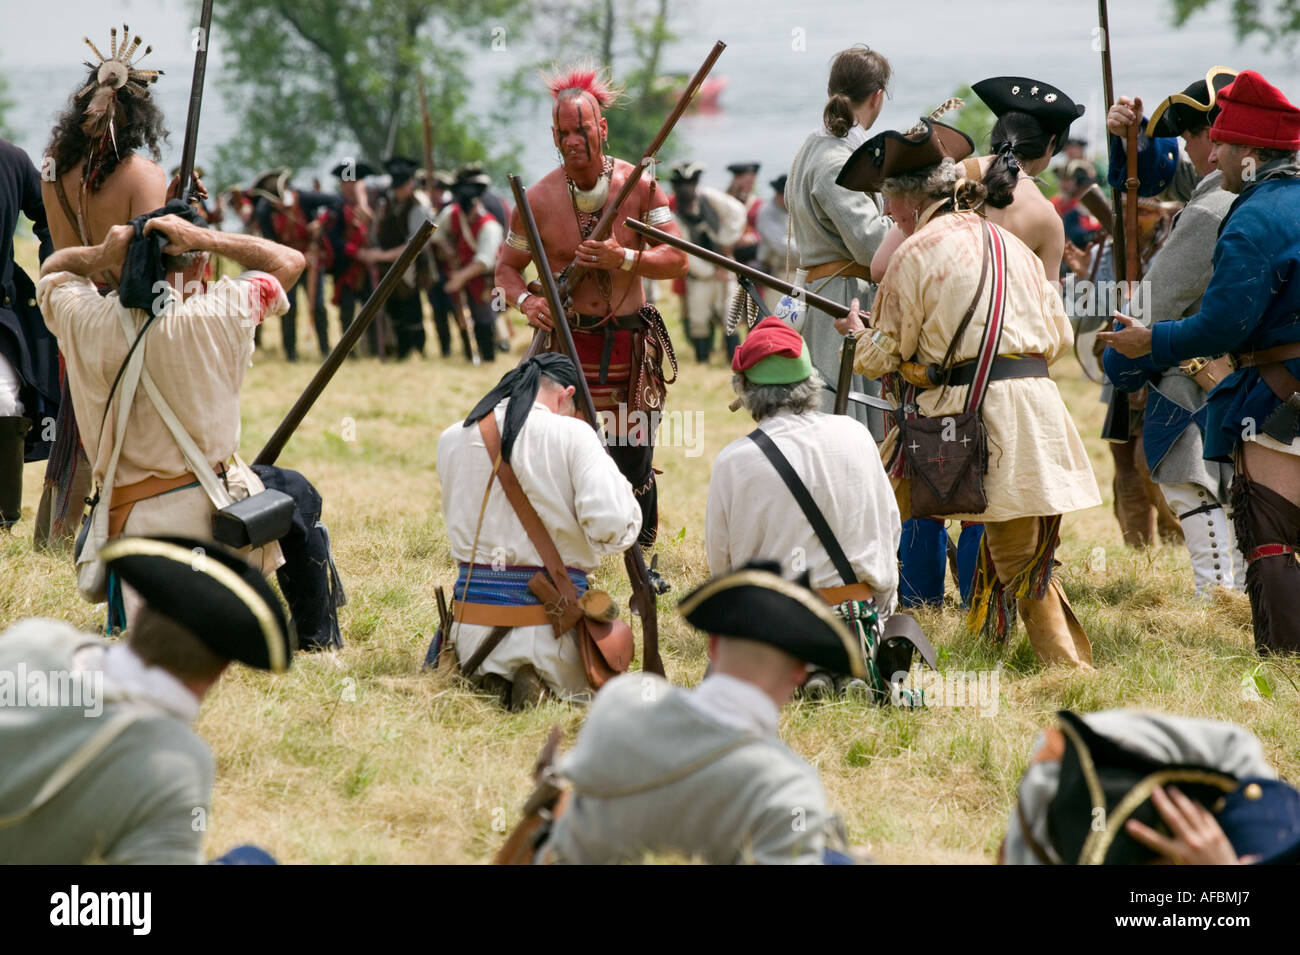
(856, 73)
(138, 124)
(1017, 137)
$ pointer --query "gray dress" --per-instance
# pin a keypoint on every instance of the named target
(832, 223)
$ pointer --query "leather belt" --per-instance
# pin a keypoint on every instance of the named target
(498, 615)
(631, 322)
(840, 268)
(1004, 367)
(1281, 382)
(126, 496)
(1267, 356)
(838, 595)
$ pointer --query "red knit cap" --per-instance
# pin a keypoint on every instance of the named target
(771, 336)
(1253, 112)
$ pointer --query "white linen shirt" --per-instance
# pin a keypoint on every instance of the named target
(583, 500)
(752, 515)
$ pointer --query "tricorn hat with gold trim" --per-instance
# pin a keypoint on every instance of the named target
(1197, 105)
(211, 592)
(890, 153)
(757, 603)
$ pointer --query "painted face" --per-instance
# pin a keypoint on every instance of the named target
(578, 129)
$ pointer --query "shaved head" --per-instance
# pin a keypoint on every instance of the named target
(579, 130)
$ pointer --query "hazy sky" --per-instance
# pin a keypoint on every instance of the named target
(51, 31)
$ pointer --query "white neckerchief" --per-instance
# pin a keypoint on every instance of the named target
(128, 678)
(734, 702)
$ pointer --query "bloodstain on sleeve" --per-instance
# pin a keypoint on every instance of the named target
(267, 297)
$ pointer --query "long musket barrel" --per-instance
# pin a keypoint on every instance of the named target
(834, 309)
(1108, 92)
(196, 102)
(271, 451)
(605, 224)
(638, 574)
(1117, 426)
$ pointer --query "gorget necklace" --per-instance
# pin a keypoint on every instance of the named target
(587, 206)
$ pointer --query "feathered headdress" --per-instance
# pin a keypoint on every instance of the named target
(114, 72)
(585, 77)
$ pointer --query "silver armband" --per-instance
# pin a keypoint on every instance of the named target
(518, 242)
(659, 215)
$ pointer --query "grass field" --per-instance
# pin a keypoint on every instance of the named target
(356, 756)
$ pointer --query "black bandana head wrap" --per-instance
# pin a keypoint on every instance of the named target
(143, 267)
(520, 385)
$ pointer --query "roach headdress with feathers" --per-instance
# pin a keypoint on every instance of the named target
(584, 78)
(116, 75)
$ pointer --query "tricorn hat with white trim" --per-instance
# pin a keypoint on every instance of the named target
(210, 591)
(757, 603)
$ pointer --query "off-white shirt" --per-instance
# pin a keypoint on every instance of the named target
(1038, 465)
(583, 500)
(197, 353)
(752, 515)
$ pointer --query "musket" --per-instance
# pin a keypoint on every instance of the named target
(746, 273)
(643, 597)
(1117, 426)
(196, 104)
(426, 123)
(275, 444)
(573, 273)
(833, 309)
(1108, 92)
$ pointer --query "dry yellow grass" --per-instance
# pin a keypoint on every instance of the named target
(356, 756)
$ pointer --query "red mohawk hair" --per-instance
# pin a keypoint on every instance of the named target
(584, 78)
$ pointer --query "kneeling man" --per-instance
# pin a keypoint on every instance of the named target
(502, 634)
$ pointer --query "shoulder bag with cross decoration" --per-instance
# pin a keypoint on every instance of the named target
(605, 644)
(945, 458)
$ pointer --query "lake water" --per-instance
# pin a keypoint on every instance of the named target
(775, 64)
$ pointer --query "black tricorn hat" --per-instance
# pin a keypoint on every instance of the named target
(401, 169)
(211, 592)
(1104, 783)
(778, 184)
(757, 603)
(891, 152)
(1197, 105)
(354, 170)
(1052, 108)
(740, 168)
(271, 184)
